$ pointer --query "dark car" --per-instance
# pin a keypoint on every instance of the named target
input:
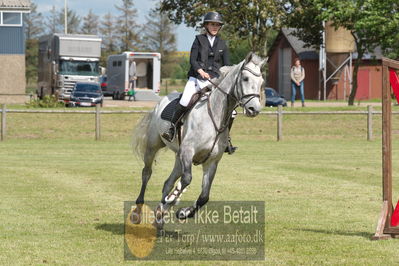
(86, 94)
(273, 98)
(103, 84)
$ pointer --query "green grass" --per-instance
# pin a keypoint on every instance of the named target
(62, 193)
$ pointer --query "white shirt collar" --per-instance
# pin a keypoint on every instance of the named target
(211, 39)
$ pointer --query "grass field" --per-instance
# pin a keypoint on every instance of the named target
(62, 193)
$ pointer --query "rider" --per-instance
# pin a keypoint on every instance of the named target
(208, 53)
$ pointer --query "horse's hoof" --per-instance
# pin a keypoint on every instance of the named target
(135, 216)
(135, 219)
(184, 213)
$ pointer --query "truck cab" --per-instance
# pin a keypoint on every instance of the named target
(72, 70)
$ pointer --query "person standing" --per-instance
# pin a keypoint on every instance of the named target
(132, 81)
(297, 81)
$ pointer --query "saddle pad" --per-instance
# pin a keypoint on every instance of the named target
(169, 110)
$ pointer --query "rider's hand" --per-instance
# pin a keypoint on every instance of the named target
(203, 74)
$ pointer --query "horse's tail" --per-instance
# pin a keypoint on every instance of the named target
(140, 135)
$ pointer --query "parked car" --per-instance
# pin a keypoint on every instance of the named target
(86, 94)
(273, 98)
(103, 84)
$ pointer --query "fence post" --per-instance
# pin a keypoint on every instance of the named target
(3, 122)
(279, 123)
(98, 128)
(369, 122)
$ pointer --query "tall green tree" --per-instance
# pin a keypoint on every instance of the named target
(33, 23)
(109, 37)
(33, 30)
(372, 23)
(126, 26)
(55, 21)
(31, 60)
(73, 20)
(249, 20)
(159, 35)
(90, 23)
(52, 22)
(180, 70)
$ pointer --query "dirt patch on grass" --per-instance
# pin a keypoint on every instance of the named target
(108, 102)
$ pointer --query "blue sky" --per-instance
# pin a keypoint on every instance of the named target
(185, 36)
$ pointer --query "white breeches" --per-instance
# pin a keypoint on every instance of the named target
(193, 85)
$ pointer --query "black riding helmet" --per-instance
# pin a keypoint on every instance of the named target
(213, 17)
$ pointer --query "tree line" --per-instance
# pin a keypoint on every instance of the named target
(373, 23)
(120, 32)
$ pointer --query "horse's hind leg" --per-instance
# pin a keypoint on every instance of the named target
(152, 148)
(146, 173)
(209, 170)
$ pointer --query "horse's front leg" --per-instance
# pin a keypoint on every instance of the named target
(168, 196)
(182, 168)
(209, 170)
(186, 159)
(168, 200)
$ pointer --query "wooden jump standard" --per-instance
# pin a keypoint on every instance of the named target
(385, 229)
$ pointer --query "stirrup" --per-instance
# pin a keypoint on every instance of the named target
(230, 149)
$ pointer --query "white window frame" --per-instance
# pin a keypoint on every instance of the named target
(12, 11)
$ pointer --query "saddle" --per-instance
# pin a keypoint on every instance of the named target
(169, 110)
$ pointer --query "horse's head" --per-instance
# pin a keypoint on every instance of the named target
(249, 84)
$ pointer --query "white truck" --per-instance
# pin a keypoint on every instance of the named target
(122, 68)
(65, 59)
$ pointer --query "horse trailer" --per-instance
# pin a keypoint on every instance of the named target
(145, 66)
(65, 59)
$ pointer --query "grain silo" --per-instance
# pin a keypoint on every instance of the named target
(338, 40)
(339, 45)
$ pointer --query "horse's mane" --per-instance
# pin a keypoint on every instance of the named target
(257, 60)
(225, 70)
(228, 70)
(251, 57)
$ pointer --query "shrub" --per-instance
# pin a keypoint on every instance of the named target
(48, 101)
(172, 82)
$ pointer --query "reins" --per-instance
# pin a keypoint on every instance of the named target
(238, 102)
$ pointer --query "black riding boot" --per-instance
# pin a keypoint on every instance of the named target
(230, 149)
(170, 133)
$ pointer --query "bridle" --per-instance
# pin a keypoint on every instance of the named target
(249, 95)
(238, 101)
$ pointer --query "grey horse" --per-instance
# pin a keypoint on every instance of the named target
(204, 135)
